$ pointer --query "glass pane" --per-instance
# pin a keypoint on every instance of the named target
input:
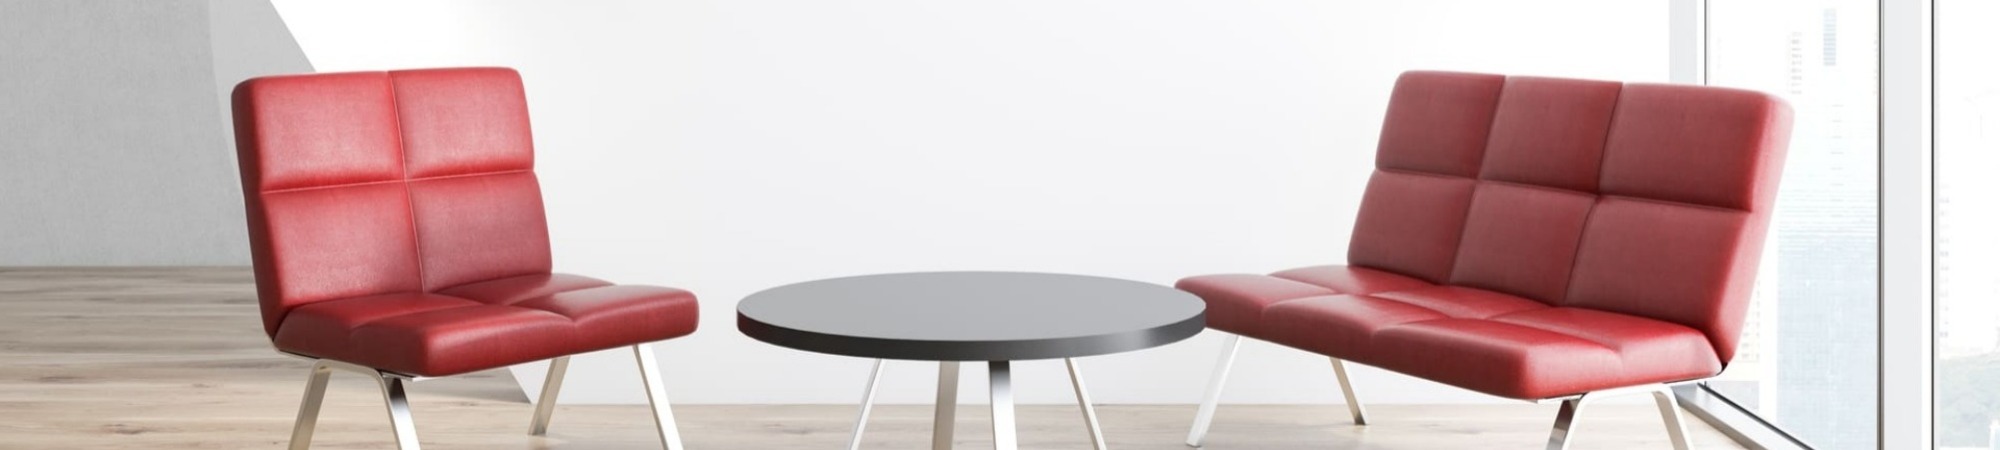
(1968, 224)
(1808, 358)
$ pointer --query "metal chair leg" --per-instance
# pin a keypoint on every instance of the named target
(867, 404)
(1671, 413)
(1560, 436)
(302, 429)
(1206, 413)
(1347, 389)
(656, 395)
(545, 407)
(398, 401)
(1564, 431)
(1083, 401)
(946, 417)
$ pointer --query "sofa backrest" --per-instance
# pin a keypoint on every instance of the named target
(1644, 199)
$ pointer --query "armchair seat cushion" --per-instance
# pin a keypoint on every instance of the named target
(1477, 339)
(486, 324)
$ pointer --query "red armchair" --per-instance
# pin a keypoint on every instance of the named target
(397, 231)
(1538, 239)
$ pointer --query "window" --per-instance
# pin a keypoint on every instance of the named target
(1967, 224)
(1808, 359)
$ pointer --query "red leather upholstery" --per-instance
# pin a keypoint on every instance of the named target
(1536, 237)
(396, 222)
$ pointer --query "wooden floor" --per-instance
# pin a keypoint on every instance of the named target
(175, 359)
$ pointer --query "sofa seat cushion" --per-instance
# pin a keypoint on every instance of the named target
(1476, 339)
(1236, 302)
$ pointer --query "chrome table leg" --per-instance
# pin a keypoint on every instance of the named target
(867, 403)
(1206, 414)
(545, 408)
(656, 395)
(946, 417)
(1003, 404)
(1083, 400)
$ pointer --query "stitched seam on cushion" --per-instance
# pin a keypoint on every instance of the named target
(1423, 173)
(1610, 124)
(406, 178)
(1540, 187)
(1458, 247)
(490, 280)
(1603, 151)
(549, 295)
(410, 199)
(1613, 344)
(1569, 282)
(1663, 202)
(1417, 306)
(1614, 349)
(373, 322)
(1321, 286)
(1485, 145)
(1371, 333)
(1448, 315)
(364, 323)
(1288, 280)
(1492, 118)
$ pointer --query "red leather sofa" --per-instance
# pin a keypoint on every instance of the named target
(397, 231)
(1538, 239)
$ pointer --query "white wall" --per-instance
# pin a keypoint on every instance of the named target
(731, 146)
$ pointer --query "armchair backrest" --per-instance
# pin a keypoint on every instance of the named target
(370, 183)
(1644, 199)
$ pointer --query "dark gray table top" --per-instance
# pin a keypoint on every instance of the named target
(970, 316)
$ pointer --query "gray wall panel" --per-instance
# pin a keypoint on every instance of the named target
(114, 143)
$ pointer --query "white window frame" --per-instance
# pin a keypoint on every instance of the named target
(1906, 394)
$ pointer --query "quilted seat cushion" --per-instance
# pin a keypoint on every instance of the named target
(1472, 338)
(486, 324)
(1236, 302)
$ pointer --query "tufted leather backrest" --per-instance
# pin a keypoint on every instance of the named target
(371, 183)
(1644, 199)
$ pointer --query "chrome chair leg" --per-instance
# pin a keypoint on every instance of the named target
(1002, 385)
(1083, 401)
(1564, 431)
(302, 429)
(1347, 389)
(394, 396)
(867, 403)
(945, 420)
(545, 407)
(656, 395)
(1561, 436)
(1206, 413)
(1671, 413)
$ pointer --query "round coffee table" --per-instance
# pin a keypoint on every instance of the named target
(996, 317)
